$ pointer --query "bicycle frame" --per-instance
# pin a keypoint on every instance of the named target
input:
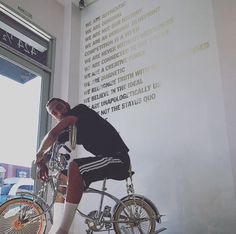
(57, 164)
(103, 193)
(38, 198)
(99, 218)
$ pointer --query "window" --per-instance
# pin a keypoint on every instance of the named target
(26, 56)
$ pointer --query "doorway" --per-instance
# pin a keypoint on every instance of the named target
(26, 63)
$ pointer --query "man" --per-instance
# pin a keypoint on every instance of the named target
(99, 138)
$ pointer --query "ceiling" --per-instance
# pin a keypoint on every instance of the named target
(76, 2)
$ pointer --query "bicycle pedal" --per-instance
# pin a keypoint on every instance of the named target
(89, 232)
(160, 219)
(107, 211)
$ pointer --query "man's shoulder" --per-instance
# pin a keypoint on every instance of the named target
(81, 109)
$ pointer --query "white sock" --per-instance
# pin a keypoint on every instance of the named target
(57, 216)
(60, 231)
(67, 219)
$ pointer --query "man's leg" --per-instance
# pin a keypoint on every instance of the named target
(58, 208)
(74, 193)
(59, 204)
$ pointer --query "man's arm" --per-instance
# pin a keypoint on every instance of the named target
(52, 135)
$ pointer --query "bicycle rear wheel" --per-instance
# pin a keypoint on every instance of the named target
(135, 216)
(15, 214)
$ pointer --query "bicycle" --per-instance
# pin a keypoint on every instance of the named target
(29, 212)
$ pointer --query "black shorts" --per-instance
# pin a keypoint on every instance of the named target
(100, 167)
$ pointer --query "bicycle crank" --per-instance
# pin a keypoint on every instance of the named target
(94, 224)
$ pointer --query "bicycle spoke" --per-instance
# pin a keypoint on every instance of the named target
(16, 214)
(134, 216)
(127, 230)
(7, 226)
(140, 229)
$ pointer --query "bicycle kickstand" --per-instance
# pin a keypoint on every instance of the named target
(160, 230)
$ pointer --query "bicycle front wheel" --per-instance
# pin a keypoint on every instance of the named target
(134, 216)
(15, 217)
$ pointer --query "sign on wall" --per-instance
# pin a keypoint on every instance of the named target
(118, 49)
(20, 36)
(112, 42)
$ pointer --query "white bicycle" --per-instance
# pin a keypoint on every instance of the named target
(29, 213)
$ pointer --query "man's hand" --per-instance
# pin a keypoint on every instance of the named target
(43, 169)
(39, 159)
(43, 172)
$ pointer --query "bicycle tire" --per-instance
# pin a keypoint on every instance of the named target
(9, 214)
(141, 210)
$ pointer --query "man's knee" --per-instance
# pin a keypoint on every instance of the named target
(73, 166)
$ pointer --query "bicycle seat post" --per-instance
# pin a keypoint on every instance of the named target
(130, 185)
(104, 185)
(102, 196)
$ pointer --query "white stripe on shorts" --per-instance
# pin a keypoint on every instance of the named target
(98, 164)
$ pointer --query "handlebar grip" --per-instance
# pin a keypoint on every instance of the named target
(67, 148)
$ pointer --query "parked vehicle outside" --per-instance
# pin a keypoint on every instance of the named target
(14, 185)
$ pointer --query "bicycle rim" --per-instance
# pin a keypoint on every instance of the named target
(135, 217)
(9, 217)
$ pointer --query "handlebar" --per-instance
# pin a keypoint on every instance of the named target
(66, 148)
(58, 161)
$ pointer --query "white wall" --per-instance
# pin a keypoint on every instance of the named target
(226, 37)
(182, 141)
